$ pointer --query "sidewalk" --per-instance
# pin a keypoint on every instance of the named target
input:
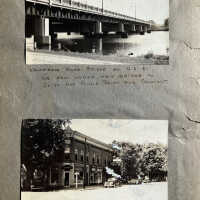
(90, 187)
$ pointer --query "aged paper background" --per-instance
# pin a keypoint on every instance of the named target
(177, 100)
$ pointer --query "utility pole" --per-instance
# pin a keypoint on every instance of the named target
(76, 174)
(135, 9)
(102, 6)
(84, 168)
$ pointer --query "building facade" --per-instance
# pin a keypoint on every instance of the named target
(82, 163)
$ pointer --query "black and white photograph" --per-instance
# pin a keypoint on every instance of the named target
(97, 159)
(97, 32)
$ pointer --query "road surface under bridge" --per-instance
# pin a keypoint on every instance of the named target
(44, 18)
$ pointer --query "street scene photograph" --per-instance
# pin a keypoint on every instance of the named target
(97, 159)
(97, 32)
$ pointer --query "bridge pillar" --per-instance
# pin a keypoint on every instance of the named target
(133, 28)
(41, 32)
(121, 31)
(98, 28)
(97, 46)
(149, 29)
(142, 30)
(121, 28)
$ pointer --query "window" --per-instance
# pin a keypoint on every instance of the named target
(81, 174)
(76, 154)
(98, 159)
(67, 141)
(93, 158)
(67, 156)
(87, 157)
(105, 161)
(82, 156)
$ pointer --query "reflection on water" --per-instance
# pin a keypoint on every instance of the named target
(156, 42)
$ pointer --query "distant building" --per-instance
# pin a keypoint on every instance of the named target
(83, 157)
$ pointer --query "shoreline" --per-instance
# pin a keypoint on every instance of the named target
(41, 56)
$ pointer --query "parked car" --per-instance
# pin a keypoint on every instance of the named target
(112, 182)
(146, 180)
(124, 181)
(134, 181)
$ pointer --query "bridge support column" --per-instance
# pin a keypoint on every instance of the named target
(145, 29)
(121, 31)
(149, 29)
(133, 28)
(141, 30)
(121, 28)
(97, 46)
(98, 28)
(41, 33)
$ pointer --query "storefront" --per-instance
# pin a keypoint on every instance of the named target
(96, 175)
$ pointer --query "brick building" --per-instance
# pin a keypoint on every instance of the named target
(83, 161)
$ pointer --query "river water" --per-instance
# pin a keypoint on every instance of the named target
(136, 45)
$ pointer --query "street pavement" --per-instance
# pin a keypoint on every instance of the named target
(147, 191)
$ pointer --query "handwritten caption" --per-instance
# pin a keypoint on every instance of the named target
(78, 76)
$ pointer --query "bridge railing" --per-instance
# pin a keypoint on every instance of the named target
(89, 8)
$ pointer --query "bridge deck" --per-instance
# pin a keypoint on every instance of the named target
(73, 5)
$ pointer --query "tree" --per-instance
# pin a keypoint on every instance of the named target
(130, 155)
(154, 164)
(142, 160)
(40, 140)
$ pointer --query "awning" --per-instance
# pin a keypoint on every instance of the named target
(111, 172)
(67, 167)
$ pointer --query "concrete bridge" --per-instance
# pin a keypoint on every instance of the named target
(46, 17)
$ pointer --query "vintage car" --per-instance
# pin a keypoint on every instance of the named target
(146, 180)
(133, 181)
(112, 182)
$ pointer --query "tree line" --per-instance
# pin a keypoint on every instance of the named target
(141, 160)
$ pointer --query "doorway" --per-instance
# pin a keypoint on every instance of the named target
(66, 183)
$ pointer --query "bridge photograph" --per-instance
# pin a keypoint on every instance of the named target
(97, 32)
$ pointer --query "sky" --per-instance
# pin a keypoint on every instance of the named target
(134, 131)
(157, 10)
